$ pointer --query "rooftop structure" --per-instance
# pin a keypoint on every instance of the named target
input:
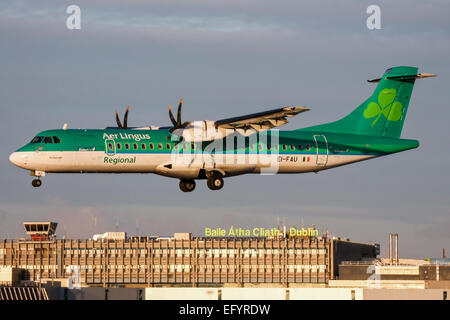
(184, 260)
(40, 231)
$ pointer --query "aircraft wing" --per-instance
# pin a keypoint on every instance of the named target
(262, 120)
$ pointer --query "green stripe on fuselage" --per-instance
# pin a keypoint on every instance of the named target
(338, 143)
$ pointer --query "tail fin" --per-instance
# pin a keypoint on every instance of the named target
(382, 114)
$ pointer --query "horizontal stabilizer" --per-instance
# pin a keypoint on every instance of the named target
(405, 78)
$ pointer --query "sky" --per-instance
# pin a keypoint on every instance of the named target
(226, 58)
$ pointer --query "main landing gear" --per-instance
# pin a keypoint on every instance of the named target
(187, 185)
(215, 181)
(36, 183)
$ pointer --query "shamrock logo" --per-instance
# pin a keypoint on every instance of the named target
(386, 106)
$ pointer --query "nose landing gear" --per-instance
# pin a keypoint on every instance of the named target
(36, 183)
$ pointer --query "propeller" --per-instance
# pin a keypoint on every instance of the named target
(125, 119)
(177, 123)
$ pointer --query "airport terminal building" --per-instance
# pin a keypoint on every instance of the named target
(114, 260)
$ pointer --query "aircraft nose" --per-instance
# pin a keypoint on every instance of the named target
(13, 158)
(17, 159)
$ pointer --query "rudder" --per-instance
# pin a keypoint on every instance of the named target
(383, 113)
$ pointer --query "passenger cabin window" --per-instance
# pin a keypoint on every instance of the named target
(308, 147)
(284, 147)
(292, 147)
(143, 146)
(135, 146)
(56, 140)
(151, 146)
(36, 140)
(168, 146)
(119, 146)
(127, 146)
(48, 140)
(110, 146)
(300, 147)
(160, 146)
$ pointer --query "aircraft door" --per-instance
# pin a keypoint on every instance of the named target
(321, 149)
(110, 147)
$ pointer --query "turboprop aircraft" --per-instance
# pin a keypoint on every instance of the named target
(214, 150)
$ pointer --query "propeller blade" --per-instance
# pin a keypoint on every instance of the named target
(125, 118)
(179, 114)
(172, 118)
(119, 124)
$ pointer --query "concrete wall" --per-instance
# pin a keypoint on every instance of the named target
(10, 275)
(403, 294)
(326, 294)
(181, 293)
(350, 293)
(254, 294)
(59, 293)
(378, 284)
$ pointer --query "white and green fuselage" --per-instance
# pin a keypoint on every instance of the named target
(371, 130)
(152, 151)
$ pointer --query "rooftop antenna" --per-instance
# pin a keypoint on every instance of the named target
(95, 224)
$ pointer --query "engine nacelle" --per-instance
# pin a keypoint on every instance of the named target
(206, 130)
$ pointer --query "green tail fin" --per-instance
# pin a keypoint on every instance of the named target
(382, 114)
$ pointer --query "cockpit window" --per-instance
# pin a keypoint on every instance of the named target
(36, 140)
(56, 140)
(48, 140)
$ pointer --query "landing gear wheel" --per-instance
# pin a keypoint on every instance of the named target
(215, 181)
(187, 185)
(36, 183)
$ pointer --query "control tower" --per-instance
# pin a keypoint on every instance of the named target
(40, 231)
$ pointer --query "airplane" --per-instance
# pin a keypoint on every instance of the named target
(371, 130)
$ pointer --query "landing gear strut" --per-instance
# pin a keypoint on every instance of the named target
(36, 183)
(187, 185)
(215, 181)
